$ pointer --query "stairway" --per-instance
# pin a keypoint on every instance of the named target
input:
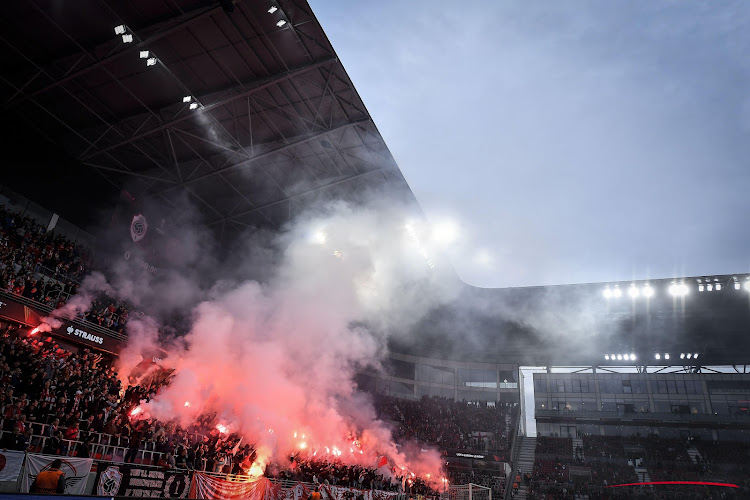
(525, 464)
(694, 454)
(577, 442)
(642, 474)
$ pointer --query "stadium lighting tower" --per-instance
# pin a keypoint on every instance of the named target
(632, 357)
(647, 291)
(281, 23)
(606, 357)
(619, 357)
(718, 287)
(710, 287)
(700, 287)
(682, 355)
(737, 286)
(120, 29)
(695, 356)
(127, 38)
(617, 293)
(273, 9)
(151, 61)
(187, 98)
(143, 54)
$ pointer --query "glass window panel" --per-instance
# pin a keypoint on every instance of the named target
(671, 387)
(540, 385)
(423, 373)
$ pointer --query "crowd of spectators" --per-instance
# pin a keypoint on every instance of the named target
(450, 424)
(47, 268)
(59, 403)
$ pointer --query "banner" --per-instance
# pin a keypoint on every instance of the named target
(205, 486)
(76, 471)
(10, 465)
(209, 487)
(132, 481)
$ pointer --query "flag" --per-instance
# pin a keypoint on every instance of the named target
(382, 461)
(236, 447)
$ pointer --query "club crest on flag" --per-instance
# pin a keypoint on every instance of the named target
(109, 481)
(138, 228)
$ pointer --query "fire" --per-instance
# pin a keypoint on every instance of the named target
(187, 403)
(221, 428)
(302, 445)
(136, 411)
(255, 470)
(295, 434)
(35, 330)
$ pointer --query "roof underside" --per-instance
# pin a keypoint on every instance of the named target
(278, 124)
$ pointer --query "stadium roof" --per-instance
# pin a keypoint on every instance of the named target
(243, 106)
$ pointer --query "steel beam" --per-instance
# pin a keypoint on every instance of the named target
(258, 85)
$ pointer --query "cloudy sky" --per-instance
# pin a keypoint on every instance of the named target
(569, 142)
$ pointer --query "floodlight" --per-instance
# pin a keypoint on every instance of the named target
(710, 288)
(619, 357)
(143, 54)
(606, 356)
(193, 105)
(273, 9)
(120, 30)
(607, 293)
(127, 38)
(632, 357)
(151, 61)
(666, 356)
(678, 290)
(737, 286)
(647, 291)
(187, 98)
(281, 23)
(612, 357)
(747, 286)
(445, 232)
(695, 356)
(682, 355)
(657, 356)
(700, 288)
(718, 287)
(617, 292)
(633, 292)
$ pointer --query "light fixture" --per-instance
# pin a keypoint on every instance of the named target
(193, 105)
(632, 357)
(678, 290)
(273, 9)
(151, 61)
(647, 291)
(619, 357)
(607, 293)
(737, 286)
(688, 356)
(695, 356)
(633, 292)
(718, 287)
(666, 356)
(127, 38)
(657, 356)
(617, 292)
(281, 23)
(747, 286)
(120, 29)
(143, 54)
(700, 287)
(612, 357)
(710, 287)
(187, 98)
(682, 355)
(606, 356)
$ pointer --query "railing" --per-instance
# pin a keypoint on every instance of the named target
(47, 309)
(659, 417)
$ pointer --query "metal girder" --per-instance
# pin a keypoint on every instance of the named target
(258, 85)
(290, 198)
(181, 22)
(260, 156)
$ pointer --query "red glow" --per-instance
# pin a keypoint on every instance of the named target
(135, 411)
(696, 483)
(221, 428)
(35, 330)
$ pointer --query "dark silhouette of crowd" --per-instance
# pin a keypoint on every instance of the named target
(47, 268)
(450, 424)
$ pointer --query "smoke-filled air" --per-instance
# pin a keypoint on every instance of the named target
(276, 360)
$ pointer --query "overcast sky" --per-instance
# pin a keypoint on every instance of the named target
(571, 141)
